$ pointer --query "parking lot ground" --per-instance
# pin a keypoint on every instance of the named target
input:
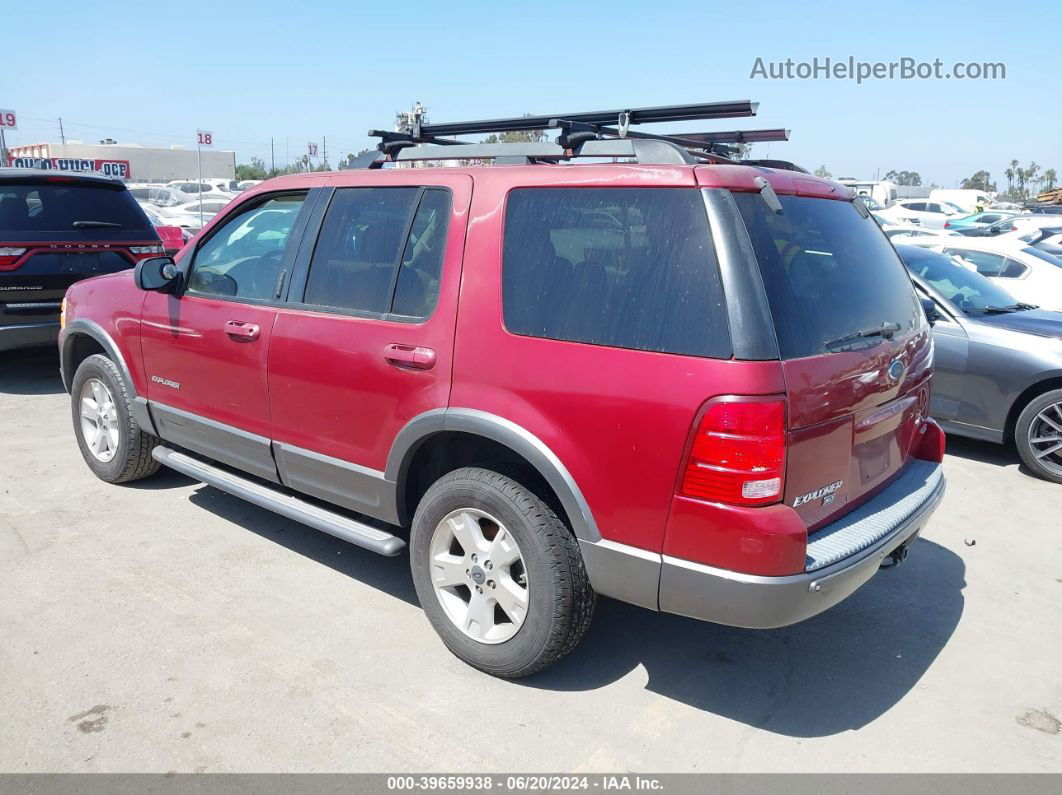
(166, 626)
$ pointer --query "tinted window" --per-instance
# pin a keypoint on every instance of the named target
(1049, 258)
(984, 263)
(828, 272)
(418, 276)
(363, 236)
(629, 268)
(242, 259)
(56, 207)
(918, 206)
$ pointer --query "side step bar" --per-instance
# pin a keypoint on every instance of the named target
(307, 513)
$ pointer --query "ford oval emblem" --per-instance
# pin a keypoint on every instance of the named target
(895, 370)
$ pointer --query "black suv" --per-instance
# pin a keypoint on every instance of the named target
(55, 229)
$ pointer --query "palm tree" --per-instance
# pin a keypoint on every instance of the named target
(1049, 178)
(1015, 168)
(1031, 174)
(1009, 173)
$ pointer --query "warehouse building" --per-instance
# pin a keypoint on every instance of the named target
(131, 162)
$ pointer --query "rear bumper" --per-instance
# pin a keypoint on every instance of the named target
(28, 335)
(841, 558)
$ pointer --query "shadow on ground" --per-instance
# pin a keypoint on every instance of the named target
(836, 672)
(984, 452)
(30, 372)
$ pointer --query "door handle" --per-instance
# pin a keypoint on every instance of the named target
(409, 356)
(244, 332)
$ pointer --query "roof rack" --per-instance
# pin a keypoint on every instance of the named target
(605, 133)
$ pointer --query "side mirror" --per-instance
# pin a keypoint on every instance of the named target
(930, 308)
(158, 273)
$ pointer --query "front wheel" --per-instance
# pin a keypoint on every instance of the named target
(499, 575)
(111, 442)
(1038, 435)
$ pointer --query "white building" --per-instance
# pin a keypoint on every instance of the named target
(130, 162)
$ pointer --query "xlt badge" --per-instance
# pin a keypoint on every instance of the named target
(825, 491)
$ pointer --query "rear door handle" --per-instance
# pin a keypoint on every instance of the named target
(245, 332)
(409, 356)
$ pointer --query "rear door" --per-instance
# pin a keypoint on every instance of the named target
(366, 341)
(856, 395)
(205, 350)
(55, 230)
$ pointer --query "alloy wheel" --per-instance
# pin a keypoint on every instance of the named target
(1045, 437)
(478, 575)
(99, 420)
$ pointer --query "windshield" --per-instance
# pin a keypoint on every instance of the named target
(828, 272)
(967, 289)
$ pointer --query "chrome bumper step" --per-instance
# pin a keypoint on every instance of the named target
(307, 513)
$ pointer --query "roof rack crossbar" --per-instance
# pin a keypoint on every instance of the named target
(663, 113)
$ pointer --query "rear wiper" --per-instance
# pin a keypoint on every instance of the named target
(89, 224)
(885, 331)
(1018, 307)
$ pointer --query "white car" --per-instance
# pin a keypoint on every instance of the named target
(923, 212)
(186, 215)
(243, 185)
(903, 233)
(208, 186)
(1032, 276)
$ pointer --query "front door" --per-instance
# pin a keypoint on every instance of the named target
(205, 348)
(365, 343)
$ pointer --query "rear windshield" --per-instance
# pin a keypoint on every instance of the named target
(829, 274)
(623, 267)
(57, 207)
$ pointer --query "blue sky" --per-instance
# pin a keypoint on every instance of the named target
(152, 73)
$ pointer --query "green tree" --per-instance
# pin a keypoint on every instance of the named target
(911, 178)
(981, 180)
(822, 172)
(254, 170)
(1049, 179)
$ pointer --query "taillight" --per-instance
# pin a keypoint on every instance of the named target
(9, 257)
(143, 252)
(947, 224)
(738, 454)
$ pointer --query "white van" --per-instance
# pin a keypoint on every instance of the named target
(968, 199)
(882, 190)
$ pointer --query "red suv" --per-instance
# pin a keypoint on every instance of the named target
(695, 386)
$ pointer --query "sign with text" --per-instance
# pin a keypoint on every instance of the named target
(311, 149)
(8, 120)
(204, 138)
(109, 168)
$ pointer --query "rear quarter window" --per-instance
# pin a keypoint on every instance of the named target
(623, 267)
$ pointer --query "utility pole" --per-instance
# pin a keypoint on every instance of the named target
(272, 158)
(324, 150)
(62, 135)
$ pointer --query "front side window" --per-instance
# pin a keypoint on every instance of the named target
(623, 267)
(380, 251)
(243, 258)
(967, 289)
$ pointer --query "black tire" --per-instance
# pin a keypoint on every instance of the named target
(1049, 467)
(132, 459)
(560, 599)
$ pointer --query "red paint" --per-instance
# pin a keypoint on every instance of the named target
(622, 422)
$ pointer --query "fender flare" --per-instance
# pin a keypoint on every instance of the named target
(90, 328)
(507, 433)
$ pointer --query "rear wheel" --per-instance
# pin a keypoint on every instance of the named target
(1038, 435)
(111, 442)
(499, 575)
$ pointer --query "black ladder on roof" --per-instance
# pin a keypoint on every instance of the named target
(604, 133)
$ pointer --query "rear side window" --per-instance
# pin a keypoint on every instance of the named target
(380, 251)
(624, 267)
(829, 274)
(58, 207)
